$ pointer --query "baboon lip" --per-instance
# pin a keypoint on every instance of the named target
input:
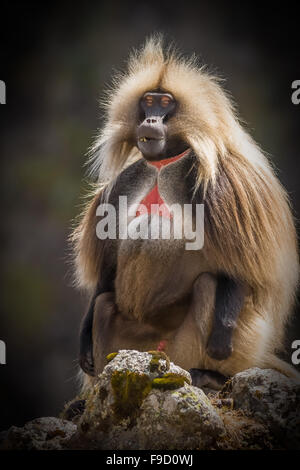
(149, 139)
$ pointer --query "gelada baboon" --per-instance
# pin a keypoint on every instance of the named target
(172, 137)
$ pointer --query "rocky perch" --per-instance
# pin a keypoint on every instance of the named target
(144, 401)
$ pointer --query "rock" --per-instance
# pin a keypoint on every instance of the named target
(142, 401)
(39, 434)
(152, 363)
(182, 419)
(270, 398)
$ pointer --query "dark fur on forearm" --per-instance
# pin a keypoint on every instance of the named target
(230, 297)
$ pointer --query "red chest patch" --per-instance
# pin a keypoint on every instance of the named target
(153, 202)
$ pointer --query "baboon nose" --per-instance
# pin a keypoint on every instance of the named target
(151, 121)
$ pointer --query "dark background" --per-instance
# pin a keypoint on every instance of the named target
(55, 61)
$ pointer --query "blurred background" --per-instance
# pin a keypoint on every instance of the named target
(55, 62)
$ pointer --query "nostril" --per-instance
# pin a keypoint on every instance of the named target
(153, 120)
(149, 120)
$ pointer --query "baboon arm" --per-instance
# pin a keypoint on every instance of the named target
(230, 295)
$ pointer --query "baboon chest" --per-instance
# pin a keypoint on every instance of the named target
(154, 273)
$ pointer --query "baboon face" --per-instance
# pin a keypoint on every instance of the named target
(153, 139)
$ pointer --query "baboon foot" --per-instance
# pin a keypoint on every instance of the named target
(207, 378)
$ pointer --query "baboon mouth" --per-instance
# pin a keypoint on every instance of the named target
(148, 139)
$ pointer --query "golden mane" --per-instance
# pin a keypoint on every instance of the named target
(205, 118)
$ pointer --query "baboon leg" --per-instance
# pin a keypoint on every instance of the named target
(187, 349)
(207, 378)
(230, 297)
(195, 330)
(270, 361)
(86, 359)
(209, 324)
(113, 331)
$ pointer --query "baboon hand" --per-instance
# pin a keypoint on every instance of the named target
(86, 363)
(86, 360)
(219, 345)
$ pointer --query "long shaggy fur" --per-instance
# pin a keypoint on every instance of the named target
(249, 229)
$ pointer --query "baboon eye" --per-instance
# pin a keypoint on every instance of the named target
(149, 100)
(165, 101)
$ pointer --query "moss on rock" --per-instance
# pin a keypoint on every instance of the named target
(129, 390)
(169, 382)
(111, 356)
